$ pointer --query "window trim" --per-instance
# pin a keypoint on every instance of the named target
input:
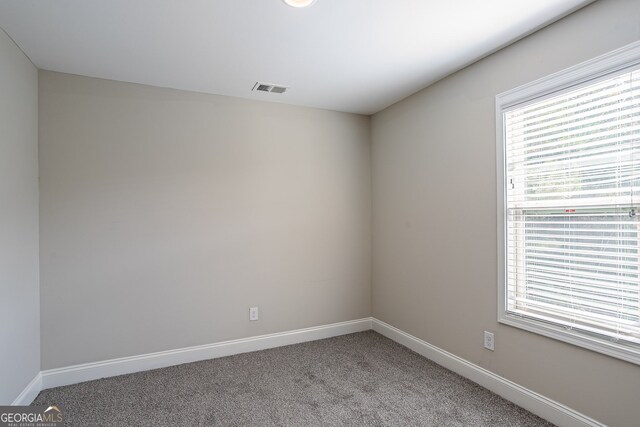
(599, 68)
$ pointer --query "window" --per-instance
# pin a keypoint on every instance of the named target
(569, 205)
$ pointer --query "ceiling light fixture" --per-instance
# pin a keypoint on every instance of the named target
(299, 3)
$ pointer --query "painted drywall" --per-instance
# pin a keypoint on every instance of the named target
(19, 292)
(166, 214)
(434, 218)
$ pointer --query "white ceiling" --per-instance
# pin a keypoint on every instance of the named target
(348, 55)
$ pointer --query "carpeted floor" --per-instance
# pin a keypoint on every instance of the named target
(361, 379)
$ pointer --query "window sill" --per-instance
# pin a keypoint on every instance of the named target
(627, 353)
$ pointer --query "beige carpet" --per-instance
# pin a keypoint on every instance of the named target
(361, 379)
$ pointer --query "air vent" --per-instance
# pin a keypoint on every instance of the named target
(265, 87)
(278, 89)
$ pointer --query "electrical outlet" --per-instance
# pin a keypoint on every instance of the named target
(253, 313)
(489, 341)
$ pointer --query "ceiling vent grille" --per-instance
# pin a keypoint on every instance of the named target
(266, 87)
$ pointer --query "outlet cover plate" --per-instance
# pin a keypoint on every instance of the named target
(489, 340)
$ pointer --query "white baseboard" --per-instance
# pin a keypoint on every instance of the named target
(30, 391)
(126, 365)
(536, 403)
(542, 406)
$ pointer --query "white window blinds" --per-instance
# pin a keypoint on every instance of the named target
(572, 232)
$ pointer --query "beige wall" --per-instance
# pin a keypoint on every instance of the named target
(165, 215)
(19, 300)
(434, 224)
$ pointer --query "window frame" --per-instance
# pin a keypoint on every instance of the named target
(586, 73)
